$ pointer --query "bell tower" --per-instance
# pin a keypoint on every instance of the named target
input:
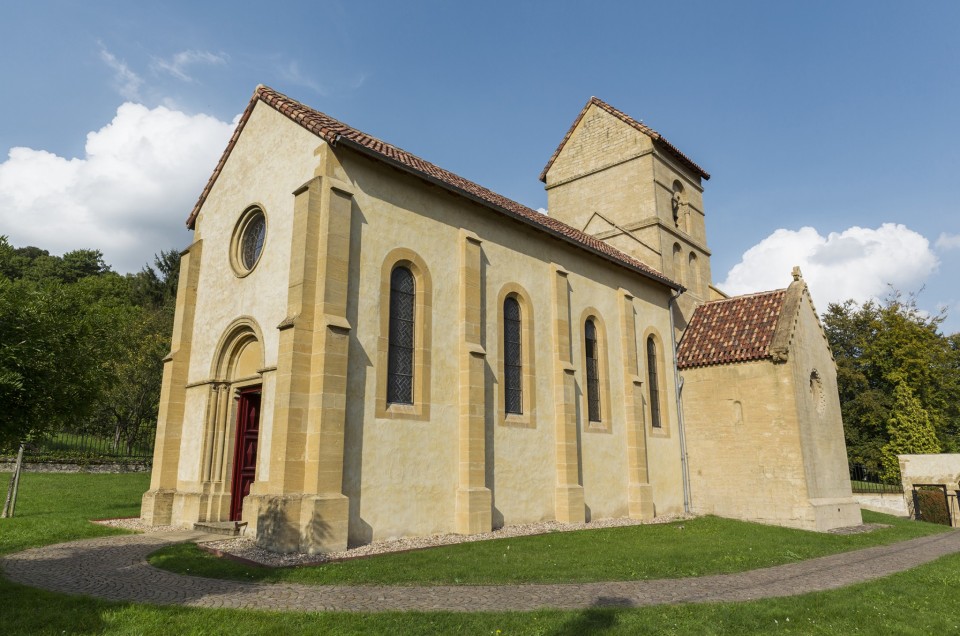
(619, 180)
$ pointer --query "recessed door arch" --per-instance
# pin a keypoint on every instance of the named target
(231, 433)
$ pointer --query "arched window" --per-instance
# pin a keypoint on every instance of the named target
(512, 357)
(652, 384)
(593, 370)
(400, 348)
(678, 263)
(693, 273)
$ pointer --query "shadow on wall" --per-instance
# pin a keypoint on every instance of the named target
(277, 531)
(359, 365)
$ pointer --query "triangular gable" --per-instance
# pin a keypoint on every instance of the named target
(633, 123)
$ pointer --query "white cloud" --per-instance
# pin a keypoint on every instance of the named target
(127, 82)
(859, 263)
(129, 196)
(542, 210)
(948, 241)
(178, 64)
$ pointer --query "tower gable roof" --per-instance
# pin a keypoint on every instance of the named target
(633, 123)
(336, 133)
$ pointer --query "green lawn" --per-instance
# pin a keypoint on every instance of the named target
(53, 508)
(708, 545)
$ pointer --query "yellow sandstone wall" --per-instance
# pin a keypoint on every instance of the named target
(401, 474)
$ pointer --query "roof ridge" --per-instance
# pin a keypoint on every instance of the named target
(742, 296)
(336, 132)
(630, 121)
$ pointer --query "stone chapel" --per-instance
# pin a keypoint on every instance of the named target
(368, 346)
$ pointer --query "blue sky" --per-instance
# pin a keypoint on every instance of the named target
(829, 128)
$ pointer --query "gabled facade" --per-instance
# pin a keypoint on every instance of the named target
(368, 346)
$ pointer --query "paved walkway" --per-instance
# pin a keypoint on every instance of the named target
(115, 568)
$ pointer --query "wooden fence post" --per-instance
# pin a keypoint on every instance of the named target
(10, 505)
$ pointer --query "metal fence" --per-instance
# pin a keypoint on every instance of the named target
(86, 444)
(864, 480)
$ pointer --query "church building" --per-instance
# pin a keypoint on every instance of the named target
(369, 346)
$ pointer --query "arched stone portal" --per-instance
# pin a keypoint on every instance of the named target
(231, 426)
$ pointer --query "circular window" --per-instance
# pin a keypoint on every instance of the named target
(248, 240)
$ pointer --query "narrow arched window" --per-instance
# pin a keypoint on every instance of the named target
(593, 370)
(400, 350)
(693, 273)
(512, 357)
(677, 263)
(652, 383)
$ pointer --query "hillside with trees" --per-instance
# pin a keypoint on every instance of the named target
(81, 346)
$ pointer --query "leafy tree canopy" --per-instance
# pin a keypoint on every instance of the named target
(882, 351)
(81, 346)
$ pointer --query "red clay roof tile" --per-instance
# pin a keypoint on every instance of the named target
(738, 329)
(335, 132)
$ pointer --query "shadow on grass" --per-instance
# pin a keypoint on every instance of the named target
(599, 618)
(26, 610)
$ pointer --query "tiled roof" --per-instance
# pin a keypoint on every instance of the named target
(337, 133)
(737, 329)
(630, 121)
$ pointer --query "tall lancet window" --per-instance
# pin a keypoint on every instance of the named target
(593, 371)
(400, 351)
(652, 383)
(512, 357)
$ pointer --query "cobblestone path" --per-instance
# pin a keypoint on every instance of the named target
(115, 568)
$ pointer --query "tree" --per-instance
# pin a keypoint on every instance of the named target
(81, 347)
(878, 347)
(157, 287)
(50, 352)
(910, 429)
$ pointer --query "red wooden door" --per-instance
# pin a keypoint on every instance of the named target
(245, 449)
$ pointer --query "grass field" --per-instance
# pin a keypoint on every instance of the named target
(697, 547)
(54, 508)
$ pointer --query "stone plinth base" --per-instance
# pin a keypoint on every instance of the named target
(474, 510)
(570, 506)
(299, 523)
(156, 507)
(640, 501)
(835, 513)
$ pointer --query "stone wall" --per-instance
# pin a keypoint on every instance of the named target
(939, 468)
(891, 503)
(132, 466)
